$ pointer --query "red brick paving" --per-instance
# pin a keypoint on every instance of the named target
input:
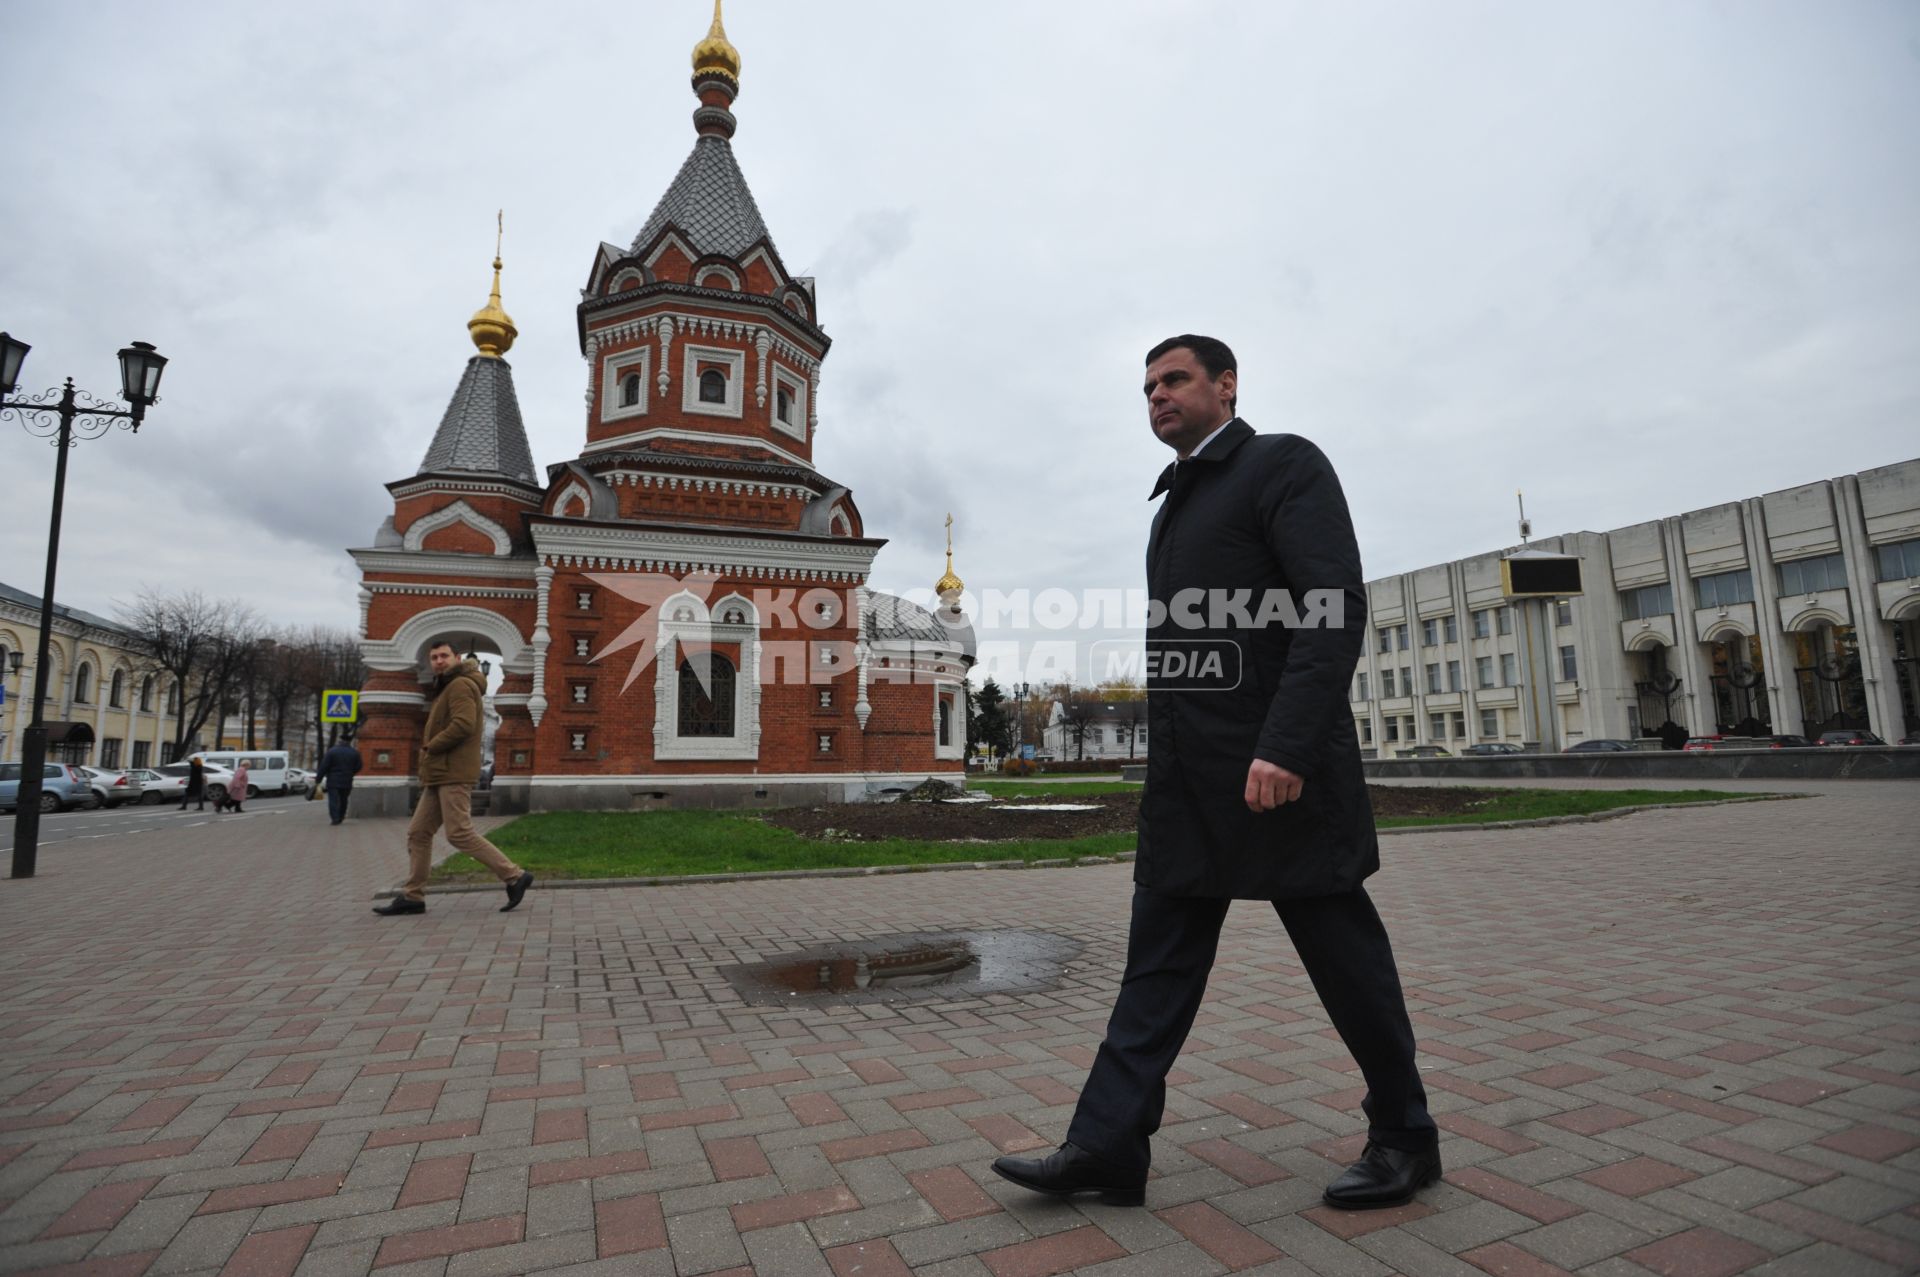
(1595, 1033)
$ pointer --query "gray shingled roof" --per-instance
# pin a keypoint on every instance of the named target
(710, 202)
(888, 616)
(482, 432)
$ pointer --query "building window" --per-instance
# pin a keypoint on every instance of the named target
(583, 600)
(630, 390)
(146, 697)
(1386, 683)
(1459, 726)
(1386, 638)
(168, 753)
(707, 711)
(581, 646)
(1509, 670)
(1436, 727)
(579, 693)
(1429, 632)
(1433, 678)
(1400, 636)
(110, 753)
(1505, 616)
(1569, 670)
(1366, 731)
(1804, 576)
(783, 405)
(1723, 589)
(1647, 601)
(1452, 628)
(1483, 671)
(1562, 612)
(946, 720)
(142, 750)
(1453, 676)
(1393, 728)
(1363, 688)
(83, 684)
(713, 386)
(1480, 623)
(173, 699)
(577, 741)
(826, 698)
(117, 690)
(1489, 722)
(1899, 561)
(1406, 680)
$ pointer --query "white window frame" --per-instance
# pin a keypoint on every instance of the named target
(614, 371)
(796, 387)
(956, 724)
(687, 616)
(1493, 714)
(735, 362)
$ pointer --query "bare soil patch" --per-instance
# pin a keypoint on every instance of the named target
(1005, 820)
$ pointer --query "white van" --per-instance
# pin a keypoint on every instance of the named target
(266, 768)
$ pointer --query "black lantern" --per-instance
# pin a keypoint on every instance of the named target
(13, 353)
(140, 369)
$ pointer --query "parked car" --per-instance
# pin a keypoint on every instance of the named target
(1852, 736)
(1700, 744)
(1789, 742)
(168, 782)
(1487, 748)
(1598, 745)
(299, 780)
(266, 768)
(111, 788)
(1424, 751)
(63, 786)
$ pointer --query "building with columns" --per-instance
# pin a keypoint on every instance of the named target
(1792, 613)
(106, 706)
(681, 612)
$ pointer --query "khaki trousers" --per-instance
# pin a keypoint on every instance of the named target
(451, 805)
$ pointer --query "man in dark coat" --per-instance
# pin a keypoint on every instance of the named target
(1254, 787)
(338, 767)
(196, 784)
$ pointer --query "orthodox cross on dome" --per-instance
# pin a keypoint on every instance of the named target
(491, 327)
(949, 586)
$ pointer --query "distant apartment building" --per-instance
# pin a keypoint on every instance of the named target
(1796, 612)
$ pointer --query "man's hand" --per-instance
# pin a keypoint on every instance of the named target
(1269, 785)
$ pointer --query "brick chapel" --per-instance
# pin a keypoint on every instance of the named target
(681, 611)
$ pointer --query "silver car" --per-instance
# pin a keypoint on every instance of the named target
(62, 786)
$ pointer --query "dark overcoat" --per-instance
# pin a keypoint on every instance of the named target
(1248, 515)
(339, 766)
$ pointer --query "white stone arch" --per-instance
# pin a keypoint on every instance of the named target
(1724, 631)
(840, 525)
(1905, 609)
(1813, 618)
(568, 493)
(459, 512)
(727, 273)
(624, 276)
(90, 663)
(407, 649)
(685, 615)
(1647, 641)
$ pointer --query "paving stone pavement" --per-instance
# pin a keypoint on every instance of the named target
(1675, 1043)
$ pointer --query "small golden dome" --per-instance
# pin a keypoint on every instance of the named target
(949, 584)
(491, 327)
(715, 55)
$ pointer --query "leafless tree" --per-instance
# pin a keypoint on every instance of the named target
(201, 644)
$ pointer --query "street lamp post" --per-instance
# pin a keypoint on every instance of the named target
(65, 416)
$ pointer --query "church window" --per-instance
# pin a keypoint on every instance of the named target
(946, 720)
(713, 386)
(706, 711)
(783, 405)
(734, 616)
(630, 390)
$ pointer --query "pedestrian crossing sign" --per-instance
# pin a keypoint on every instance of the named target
(339, 706)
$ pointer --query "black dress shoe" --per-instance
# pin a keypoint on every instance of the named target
(515, 891)
(1384, 1177)
(400, 905)
(1069, 1170)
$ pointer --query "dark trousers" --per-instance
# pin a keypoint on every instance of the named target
(200, 798)
(337, 802)
(1170, 949)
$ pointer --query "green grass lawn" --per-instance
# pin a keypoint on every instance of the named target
(674, 843)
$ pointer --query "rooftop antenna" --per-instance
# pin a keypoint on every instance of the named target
(1526, 527)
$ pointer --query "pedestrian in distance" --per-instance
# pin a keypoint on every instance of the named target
(338, 767)
(449, 766)
(196, 784)
(1254, 789)
(236, 790)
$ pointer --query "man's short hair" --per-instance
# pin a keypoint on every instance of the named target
(1214, 355)
(440, 643)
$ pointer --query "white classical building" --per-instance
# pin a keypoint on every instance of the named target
(1796, 612)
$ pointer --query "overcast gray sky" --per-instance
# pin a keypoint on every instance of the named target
(1635, 258)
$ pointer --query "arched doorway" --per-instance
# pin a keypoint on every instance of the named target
(1739, 684)
(1833, 691)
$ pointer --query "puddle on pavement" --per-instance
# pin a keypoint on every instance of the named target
(919, 965)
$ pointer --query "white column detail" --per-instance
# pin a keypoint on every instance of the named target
(762, 343)
(862, 710)
(537, 702)
(593, 365)
(813, 400)
(366, 603)
(665, 378)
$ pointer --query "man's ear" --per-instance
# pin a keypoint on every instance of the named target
(1229, 382)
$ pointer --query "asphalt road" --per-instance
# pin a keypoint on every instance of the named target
(128, 821)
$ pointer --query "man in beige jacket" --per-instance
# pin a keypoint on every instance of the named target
(449, 766)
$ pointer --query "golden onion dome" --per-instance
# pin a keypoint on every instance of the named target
(491, 327)
(949, 584)
(715, 55)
